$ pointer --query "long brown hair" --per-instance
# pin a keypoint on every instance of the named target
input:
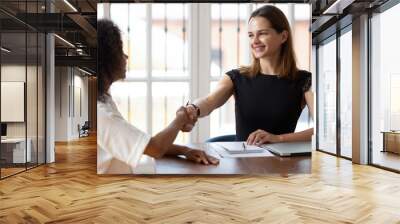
(287, 67)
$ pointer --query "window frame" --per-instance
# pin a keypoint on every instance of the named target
(324, 39)
(378, 10)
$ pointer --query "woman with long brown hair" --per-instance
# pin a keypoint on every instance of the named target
(120, 145)
(271, 93)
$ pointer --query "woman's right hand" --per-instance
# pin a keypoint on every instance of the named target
(192, 113)
(199, 156)
(182, 117)
(215, 99)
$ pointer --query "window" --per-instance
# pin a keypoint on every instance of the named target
(159, 75)
(131, 100)
(229, 39)
(346, 93)
(327, 95)
(157, 81)
(22, 65)
(385, 87)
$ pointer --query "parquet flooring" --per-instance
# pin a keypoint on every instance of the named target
(387, 159)
(70, 191)
(10, 171)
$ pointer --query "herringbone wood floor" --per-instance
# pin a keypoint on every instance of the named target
(69, 191)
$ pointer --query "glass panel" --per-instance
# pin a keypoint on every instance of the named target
(302, 12)
(346, 94)
(385, 87)
(100, 11)
(222, 120)
(229, 48)
(137, 41)
(41, 99)
(169, 42)
(130, 98)
(32, 90)
(13, 80)
(169, 59)
(31, 100)
(302, 35)
(131, 19)
(302, 47)
(327, 96)
(167, 98)
(285, 8)
(120, 14)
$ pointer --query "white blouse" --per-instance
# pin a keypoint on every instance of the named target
(120, 145)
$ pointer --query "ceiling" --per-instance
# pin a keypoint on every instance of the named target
(74, 22)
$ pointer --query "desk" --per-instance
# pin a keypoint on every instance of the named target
(270, 164)
(13, 150)
(391, 141)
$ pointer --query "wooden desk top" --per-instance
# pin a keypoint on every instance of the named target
(251, 165)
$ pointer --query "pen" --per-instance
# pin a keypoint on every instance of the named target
(244, 146)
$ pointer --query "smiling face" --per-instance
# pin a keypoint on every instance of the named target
(265, 41)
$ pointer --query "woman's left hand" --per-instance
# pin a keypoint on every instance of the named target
(260, 137)
(200, 156)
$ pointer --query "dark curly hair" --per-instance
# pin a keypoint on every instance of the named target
(110, 55)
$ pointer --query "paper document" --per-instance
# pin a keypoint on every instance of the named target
(240, 147)
(221, 149)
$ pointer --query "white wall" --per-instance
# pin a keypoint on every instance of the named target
(81, 101)
(61, 103)
(71, 94)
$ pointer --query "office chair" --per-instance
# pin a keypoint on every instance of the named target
(223, 138)
(84, 130)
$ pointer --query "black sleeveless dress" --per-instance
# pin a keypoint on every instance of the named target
(268, 102)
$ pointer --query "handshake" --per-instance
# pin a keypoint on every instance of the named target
(186, 117)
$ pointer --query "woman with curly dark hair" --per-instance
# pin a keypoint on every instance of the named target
(120, 145)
